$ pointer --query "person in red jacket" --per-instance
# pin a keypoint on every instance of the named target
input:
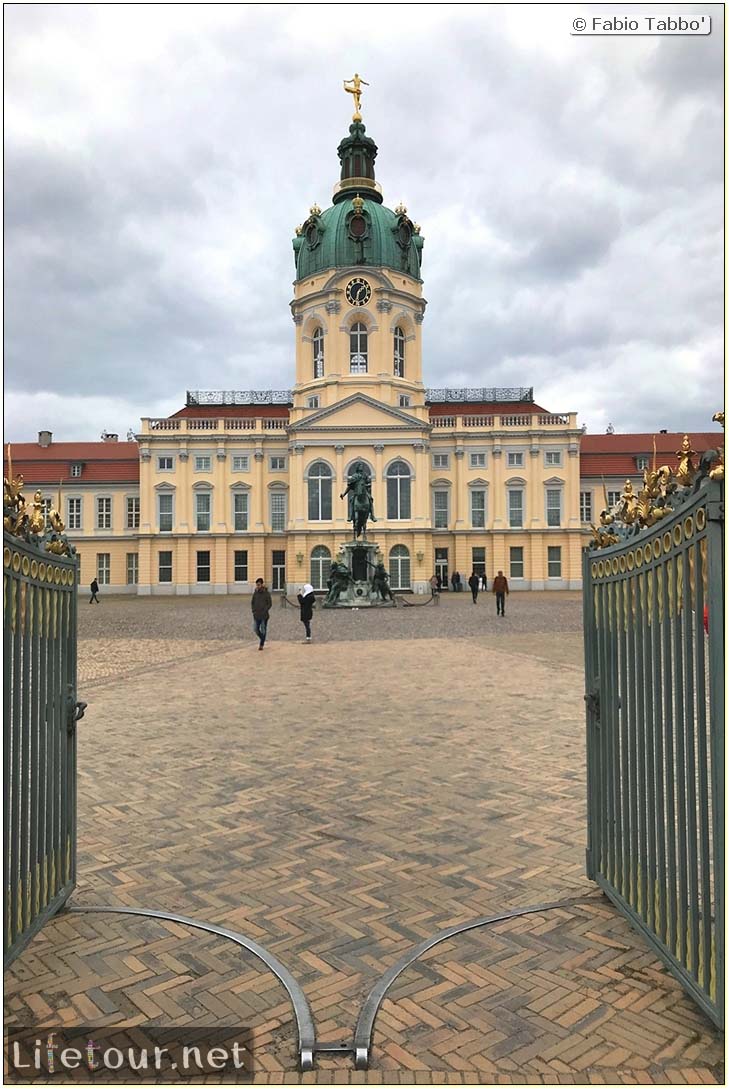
(500, 587)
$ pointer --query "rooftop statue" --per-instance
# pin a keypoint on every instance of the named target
(353, 87)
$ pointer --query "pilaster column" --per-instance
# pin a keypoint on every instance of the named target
(259, 497)
(379, 490)
(339, 511)
(459, 498)
(145, 575)
(181, 575)
(220, 566)
(498, 496)
(298, 514)
(420, 513)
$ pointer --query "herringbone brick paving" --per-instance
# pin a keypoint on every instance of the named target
(338, 803)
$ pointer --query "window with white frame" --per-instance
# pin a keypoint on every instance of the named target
(478, 508)
(46, 506)
(103, 513)
(132, 512)
(613, 498)
(103, 568)
(240, 511)
(516, 562)
(478, 560)
(477, 461)
(165, 512)
(552, 458)
(554, 562)
(203, 463)
(399, 568)
(240, 565)
(441, 461)
(317, 344)
(321, 565)
(515, 459)
(398, 491)
(319, 486)
(203, 566)
(312, 402)
(202, 511)
(278, 512)
(358, 348)
(404, 400)
(76, 469)
(585, 506)
(165, 463)
(554, 506)
(440, 508)
(399, 353)
(164, 567)
(642, 462)
(73, 516)
(240, 463)
(277, 463)
(516, 507)
(132, 568)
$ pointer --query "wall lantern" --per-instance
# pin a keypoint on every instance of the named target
(420, 556)
(299, 558)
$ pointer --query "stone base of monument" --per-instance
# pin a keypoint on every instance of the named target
(360, 558)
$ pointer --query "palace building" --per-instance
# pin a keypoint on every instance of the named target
(242, 484)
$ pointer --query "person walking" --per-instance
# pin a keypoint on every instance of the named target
(500, 587)
(261, 603)
(457, 584)
(306, 600)
(453, 582)
(474, 582)
(434, 587)
(94, 592)
(484, 583)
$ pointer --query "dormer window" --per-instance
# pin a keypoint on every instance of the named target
(642, 462)
(76, 469)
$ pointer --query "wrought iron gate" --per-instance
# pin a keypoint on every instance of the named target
(39, 850)
(655, 725)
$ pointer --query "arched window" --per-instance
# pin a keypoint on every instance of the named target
(399, 353)
(317, 342)
(399, 568)
(320, 492)
(398, 490)
(321, 562)
(358, 349)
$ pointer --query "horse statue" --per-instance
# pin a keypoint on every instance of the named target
(360, 508)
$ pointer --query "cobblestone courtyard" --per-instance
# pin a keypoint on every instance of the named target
(409, 770)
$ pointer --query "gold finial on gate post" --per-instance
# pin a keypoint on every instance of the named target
(355, 89)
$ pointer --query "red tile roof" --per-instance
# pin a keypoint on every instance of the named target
(103, 462)
(228, 412)
(614, 455)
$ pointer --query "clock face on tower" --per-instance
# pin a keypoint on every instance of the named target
(358, 292)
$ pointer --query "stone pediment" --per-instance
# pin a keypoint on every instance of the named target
(359, 411)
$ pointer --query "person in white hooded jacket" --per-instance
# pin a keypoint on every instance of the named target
(306, 600)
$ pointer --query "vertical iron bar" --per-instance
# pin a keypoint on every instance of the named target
(624, 756)
(703, 846)
(35, 801)
(15, 774)
(692, 829)
(650, 796)
(680, 760)
(668, 675)
(8, 743)
(613, 737)
(641, 744)
(26, 768)
(633, 739)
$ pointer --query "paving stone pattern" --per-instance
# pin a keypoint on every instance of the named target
(339, 802)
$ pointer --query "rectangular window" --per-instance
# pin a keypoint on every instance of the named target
(240, 565)
(203, 463)
(164, 503)
(478, 560)
(585, 506)
(554, 506)
(133, 512)
(312, 402)
(277, 464)
(515, 460)
(73, 517)
(103, 568)
(642, 462)
(165, 463)
(46, 506)
(132, 568)
(554, 562)
(278, 581)
(165, 567)
(477, 461)
(240, 463)
(203, 566)
(440, 510)
(552, 457)
(516, 508)
(278, 512)
(103, 513)
(613, 498)
(516, 563)
(240, 511)
(76, 470)
(478, 509)
(441, 461)
(404, 400)
(202, 512)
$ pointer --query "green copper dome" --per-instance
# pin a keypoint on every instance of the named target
(358, 229)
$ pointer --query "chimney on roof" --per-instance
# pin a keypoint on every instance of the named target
(109, 436)
(664, 431)
(45, 438)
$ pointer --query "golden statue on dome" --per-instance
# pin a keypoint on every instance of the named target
(353, 87)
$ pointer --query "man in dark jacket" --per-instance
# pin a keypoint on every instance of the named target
(500, 587)
(306, 600)
(473, 582)
(94, 592)
(261, 608)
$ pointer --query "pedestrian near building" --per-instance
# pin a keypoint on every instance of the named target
(484, 583)
(473, 582)
(434, 585)
(457, 584)
(306, 600)
(94, 592)
(500, 587)
(261, 603)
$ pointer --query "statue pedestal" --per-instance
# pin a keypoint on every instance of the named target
(360, 558)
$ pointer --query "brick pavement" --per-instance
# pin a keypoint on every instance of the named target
(339, 821)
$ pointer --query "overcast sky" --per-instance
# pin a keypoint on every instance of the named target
(157, 159)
